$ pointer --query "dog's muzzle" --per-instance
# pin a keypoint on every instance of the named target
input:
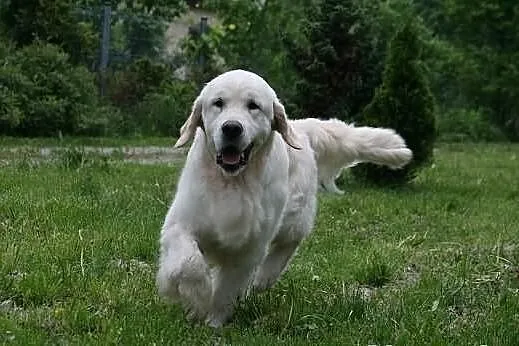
(230, 158)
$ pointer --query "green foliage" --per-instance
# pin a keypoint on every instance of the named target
(100, 120)
(405, 103)
(10, 113)
(44, 94)
(340, 60)
(202, 53)
(252, 35)
(163, 112)
(461, 125)
(50, 21)
(144, 23)
(6, 46)
(151, 9)
(144, 37)
(130, 85)
(327, 64)
(151, 100)
(485, 40)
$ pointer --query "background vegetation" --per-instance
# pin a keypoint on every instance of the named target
(325, 57)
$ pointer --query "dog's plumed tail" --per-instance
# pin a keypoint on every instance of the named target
(338, 145)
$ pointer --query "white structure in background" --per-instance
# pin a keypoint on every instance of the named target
(178, 30)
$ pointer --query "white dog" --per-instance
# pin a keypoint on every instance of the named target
(245, 200)
(338, 145)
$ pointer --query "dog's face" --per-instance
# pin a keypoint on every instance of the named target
(238, 111)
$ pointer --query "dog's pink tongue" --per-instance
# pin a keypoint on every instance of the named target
(231, 158)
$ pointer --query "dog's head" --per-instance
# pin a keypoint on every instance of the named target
(238, 112)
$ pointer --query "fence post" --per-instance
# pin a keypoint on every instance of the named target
(203, 30)
(105, 47)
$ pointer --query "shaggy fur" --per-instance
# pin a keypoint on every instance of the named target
(246, 197)
(338, 145)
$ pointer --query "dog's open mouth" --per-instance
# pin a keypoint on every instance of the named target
(231, 159)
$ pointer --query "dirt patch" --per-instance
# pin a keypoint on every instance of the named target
(141, 155)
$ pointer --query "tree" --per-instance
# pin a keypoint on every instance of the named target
(145, 23)
(340, 60)
(405, 103)
(250, 36)
(485, 39)
(59, 22)
(51, 21)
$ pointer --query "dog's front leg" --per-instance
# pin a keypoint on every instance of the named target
(231, 280)
(183, 275)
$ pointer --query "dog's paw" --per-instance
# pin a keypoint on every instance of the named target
(195, 296)
(188, 284)
(218, 318)
(214, 322)
(262, 283)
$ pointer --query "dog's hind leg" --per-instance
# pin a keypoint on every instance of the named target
(183, 275)
(327, 180)
(330, 186)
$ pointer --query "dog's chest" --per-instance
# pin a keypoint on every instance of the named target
(233, 218)
(236, 217)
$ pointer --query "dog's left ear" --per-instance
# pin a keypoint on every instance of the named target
(282, 125)
(188, 130)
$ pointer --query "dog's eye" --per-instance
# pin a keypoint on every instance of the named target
(252, 105)
(218, 103)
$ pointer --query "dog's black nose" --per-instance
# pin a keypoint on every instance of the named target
(232, 129)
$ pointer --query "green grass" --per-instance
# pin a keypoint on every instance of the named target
(434, 263)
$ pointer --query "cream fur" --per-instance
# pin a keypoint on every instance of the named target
(229, 233)
(226, 233)
(338, 145)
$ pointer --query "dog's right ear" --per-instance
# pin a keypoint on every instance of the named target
(188, 130)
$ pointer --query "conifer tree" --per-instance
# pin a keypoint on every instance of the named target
(405, 103)
(340, 62)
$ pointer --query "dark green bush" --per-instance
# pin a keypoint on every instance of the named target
(339, 63)
(151, 101)
(6, 46)
(11, 114)
(405, 103)
(28, 21)
(129, 86)
(163, 112)
(43, 94)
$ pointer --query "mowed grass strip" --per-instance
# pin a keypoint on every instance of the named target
(436, 262)
(15, 142)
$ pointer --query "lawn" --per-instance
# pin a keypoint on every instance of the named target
(434, 263)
